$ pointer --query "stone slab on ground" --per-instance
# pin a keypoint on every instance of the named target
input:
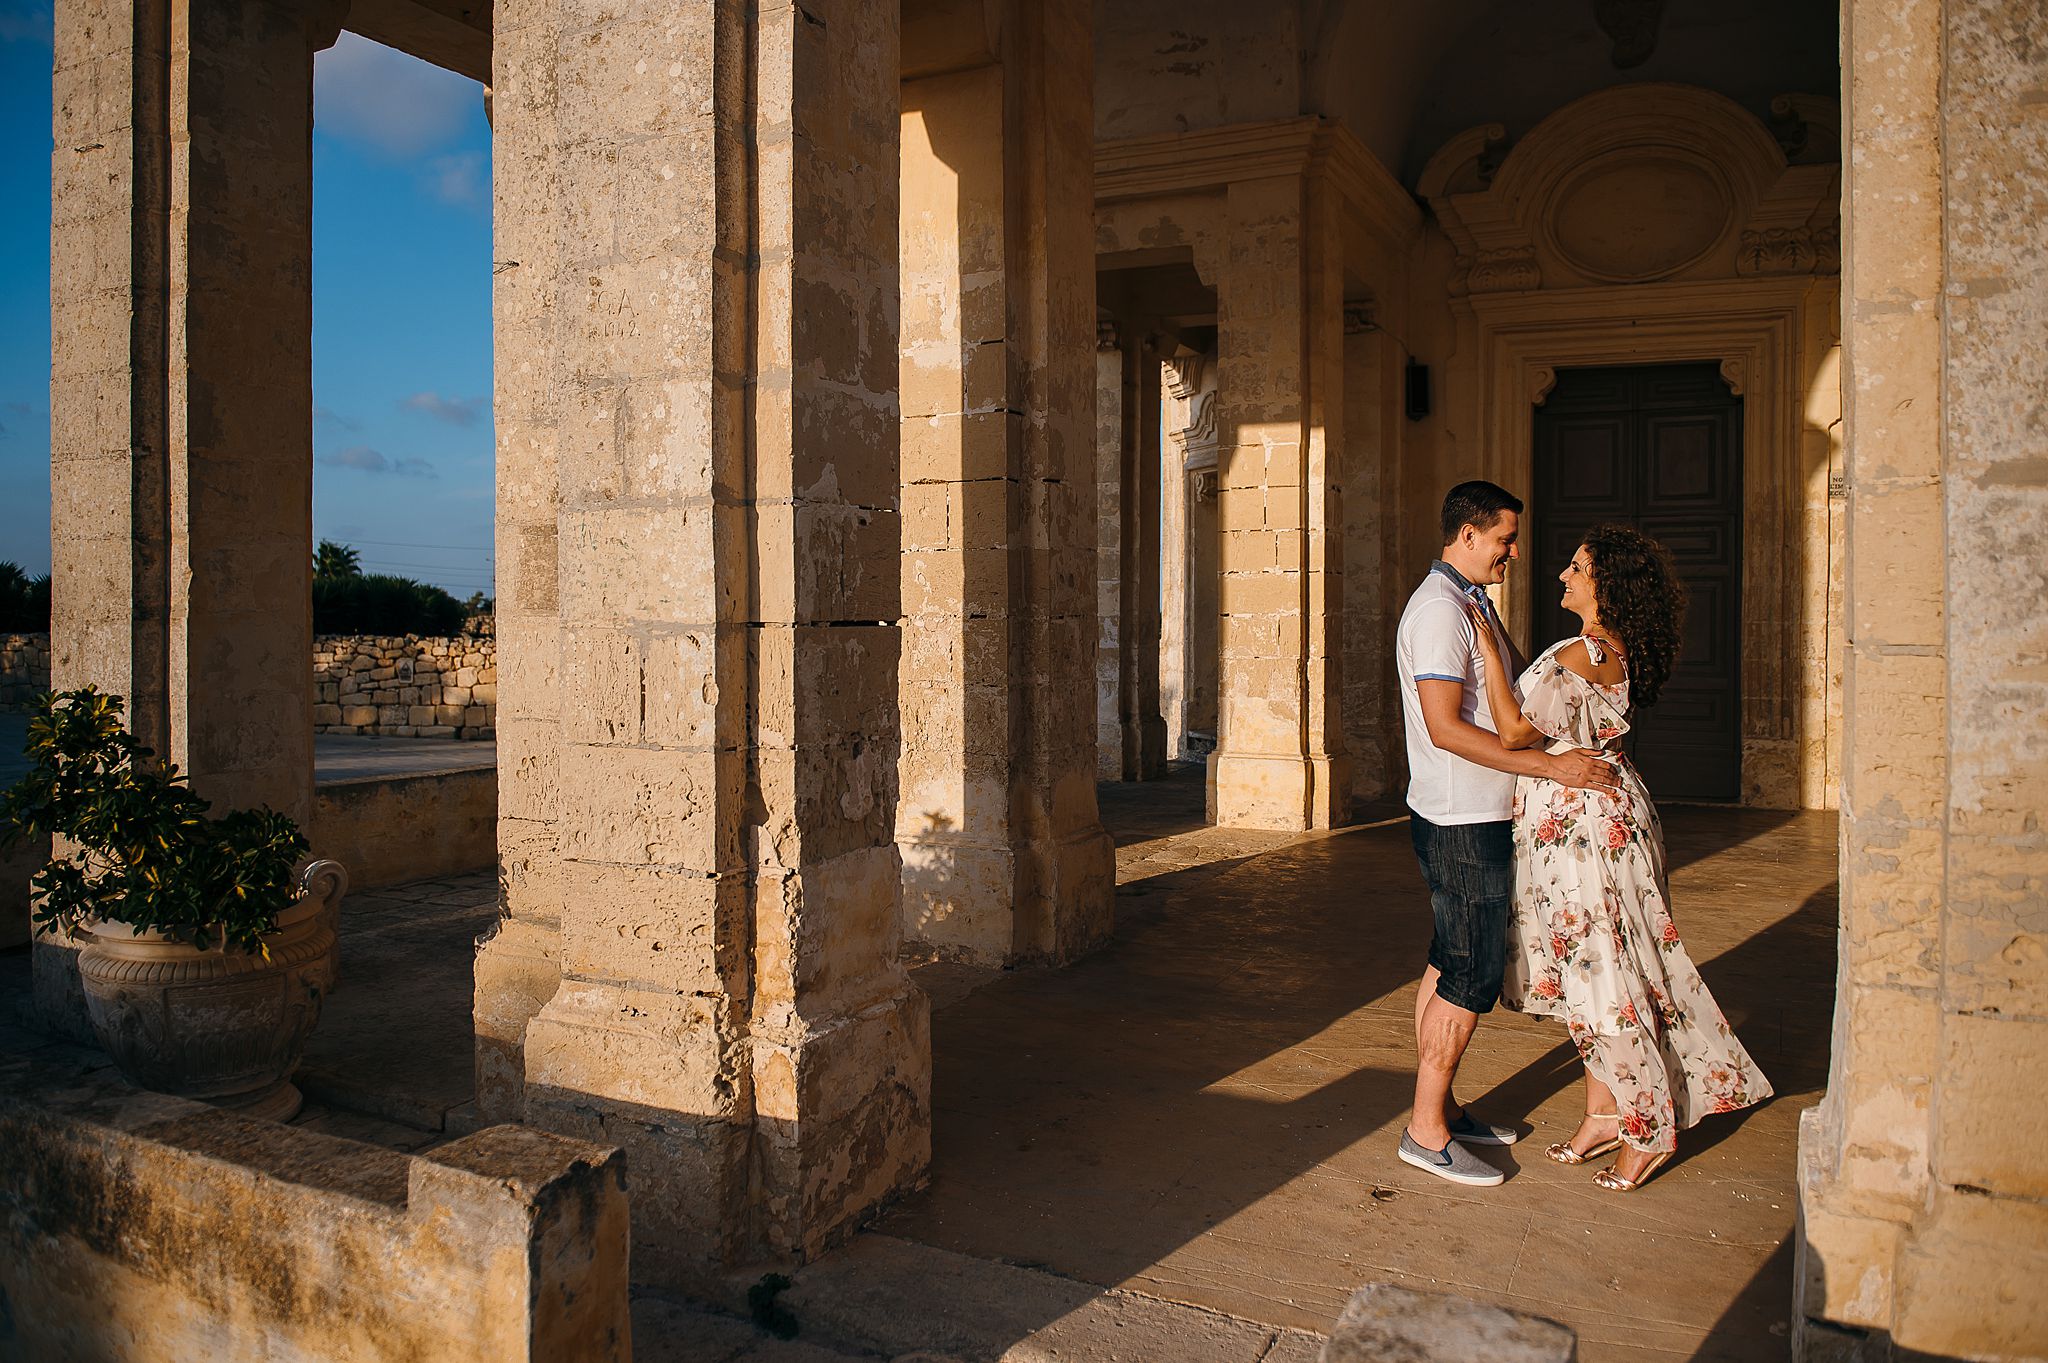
(894, 1297)
(1386, 1323)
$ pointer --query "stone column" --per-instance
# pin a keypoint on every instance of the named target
(1183, 381)
(1109, 553)
(721, 363)
(1921, 1180)
(1196, 455)
(181, 387)
(1005, 857)
(181, 382)
(518, 961)
(1372, 586)
(1279, 761)
(1142, 731)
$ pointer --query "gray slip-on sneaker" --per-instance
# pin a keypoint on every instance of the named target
(1472, 1131)
(1453, 1162)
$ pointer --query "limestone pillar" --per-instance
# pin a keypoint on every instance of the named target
(1921, 1179)
(1183, 382)
(716, 358)
(1280, 760)
(1141, 729)
(1005, 857)
(1193, 470)
(181, 387)
(1374, 589)
(1109, 554)
(518, 961)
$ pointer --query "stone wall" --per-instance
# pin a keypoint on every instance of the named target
(24, 670)
(405, 686)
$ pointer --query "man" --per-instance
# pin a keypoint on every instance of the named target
(1461, 789)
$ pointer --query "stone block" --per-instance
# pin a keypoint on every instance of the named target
(484, 693)
(455, 695)
(1382, 1323)
(417, 716)
(465, 676)
(510, 1240)
(326, 714)
(359, 716)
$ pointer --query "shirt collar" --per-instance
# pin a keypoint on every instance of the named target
(1457, 578)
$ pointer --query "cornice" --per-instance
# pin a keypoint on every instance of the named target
(1211, 159)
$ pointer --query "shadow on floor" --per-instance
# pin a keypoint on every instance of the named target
(1206, 1109)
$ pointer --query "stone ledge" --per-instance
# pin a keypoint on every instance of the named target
(139, 1226)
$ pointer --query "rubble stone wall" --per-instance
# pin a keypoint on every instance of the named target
(405, 686)
(24, 670)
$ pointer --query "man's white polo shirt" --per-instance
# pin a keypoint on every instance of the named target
(1436, 640)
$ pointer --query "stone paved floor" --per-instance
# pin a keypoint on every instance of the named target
(1207, 1110)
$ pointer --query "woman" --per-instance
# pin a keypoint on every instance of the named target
(1591, 940)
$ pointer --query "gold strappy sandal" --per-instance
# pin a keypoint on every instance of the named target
(1563, 1152)
(1615, 1183)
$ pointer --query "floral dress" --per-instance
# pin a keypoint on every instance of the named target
(1591, 939)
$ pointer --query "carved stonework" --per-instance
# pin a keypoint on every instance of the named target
(1542, 378)
(1203, 483)
(1791, 250)
(1735, 373)
(1633, 25)
(1651, 182)
(1183, 376)
(1105, 336)
(1358, 319)
(1509, 270)
(1198, 437)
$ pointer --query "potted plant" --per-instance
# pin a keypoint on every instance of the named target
(211, 945)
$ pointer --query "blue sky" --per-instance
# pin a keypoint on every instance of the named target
(401, 308)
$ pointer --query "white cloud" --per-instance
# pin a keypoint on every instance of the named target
(462, 179)
(454, 411)
(358, 457)
(378, 96)
(366, 460)
(327, 416)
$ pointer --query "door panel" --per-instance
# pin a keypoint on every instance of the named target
(1660, 448)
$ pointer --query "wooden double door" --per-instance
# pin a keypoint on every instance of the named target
(1660, 448)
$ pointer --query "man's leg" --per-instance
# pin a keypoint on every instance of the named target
(1423, 994)
(1441, 1036)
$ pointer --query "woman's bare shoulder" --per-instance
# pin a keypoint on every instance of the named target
(1575, 658)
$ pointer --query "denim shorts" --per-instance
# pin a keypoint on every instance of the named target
(1470, 871)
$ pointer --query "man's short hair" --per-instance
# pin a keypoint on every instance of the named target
(1478, 504)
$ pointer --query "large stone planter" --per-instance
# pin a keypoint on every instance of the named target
(225, 1027)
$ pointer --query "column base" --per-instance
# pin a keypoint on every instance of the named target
(987, 905)
(1288, 793)
(843, 1122)
(664, 1077)
(517, 972)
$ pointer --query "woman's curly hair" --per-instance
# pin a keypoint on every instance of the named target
(1641, 601)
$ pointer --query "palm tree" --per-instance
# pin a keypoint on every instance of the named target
(336, 560)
